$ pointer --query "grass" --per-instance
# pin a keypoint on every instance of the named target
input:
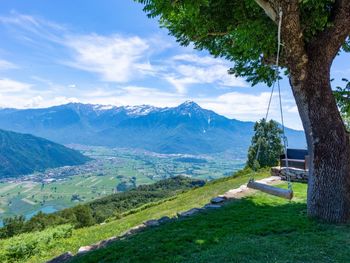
(86, 236)
(259, 228)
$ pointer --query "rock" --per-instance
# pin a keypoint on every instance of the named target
(85, 249)
(217, 200)
(106, 242)
(133, 230)
(212, 206)
(164, 219)
(61, 258)
(151, 223)
(190, 212)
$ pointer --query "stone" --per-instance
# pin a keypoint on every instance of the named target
(217, 200)
(65, 257)
(295, 174)
(133, 230)
(85, 249)
(151, 223)
(106, 242)
(190, 212)
(164, 219)
(211, 206)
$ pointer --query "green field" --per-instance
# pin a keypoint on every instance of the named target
(41, 246)
(112, 170)
(257, 229)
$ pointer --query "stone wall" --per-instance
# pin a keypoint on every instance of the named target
(296, 175)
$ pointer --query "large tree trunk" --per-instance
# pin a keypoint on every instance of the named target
(328, 142)
(309, 65)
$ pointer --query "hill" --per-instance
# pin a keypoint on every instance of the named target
(259, 228)
(187, 128)
(23, 154)
(97, 211)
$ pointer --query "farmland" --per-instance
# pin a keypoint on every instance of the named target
(112, 170)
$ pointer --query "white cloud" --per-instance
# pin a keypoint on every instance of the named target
(38, 27)
(13, 86)
(252, 107)
(188, 69)
(4, 65)
(114, 58)
(133, 95)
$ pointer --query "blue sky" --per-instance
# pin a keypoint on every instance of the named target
(109, 52)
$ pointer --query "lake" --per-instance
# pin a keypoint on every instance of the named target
(46, 209)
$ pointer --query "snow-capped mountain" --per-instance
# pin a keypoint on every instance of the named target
(187, 128)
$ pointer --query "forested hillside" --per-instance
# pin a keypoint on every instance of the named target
(23, 154)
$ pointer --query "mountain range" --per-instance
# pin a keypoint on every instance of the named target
(24, 153)
(187, 128)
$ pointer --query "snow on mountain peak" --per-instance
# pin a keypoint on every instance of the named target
(140, 110)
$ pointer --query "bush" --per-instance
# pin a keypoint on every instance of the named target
(24, 246)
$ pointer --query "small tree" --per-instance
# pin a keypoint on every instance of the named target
(266, 140)
(83, 216)
(13, 226)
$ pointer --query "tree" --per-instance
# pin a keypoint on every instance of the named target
(266, 140)
(83, 215)
(342, 96)
(13, 226)
(313, 32)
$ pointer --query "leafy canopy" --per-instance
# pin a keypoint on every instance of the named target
(266, 141)
(238, 30)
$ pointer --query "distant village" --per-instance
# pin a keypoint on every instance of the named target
(95, 167)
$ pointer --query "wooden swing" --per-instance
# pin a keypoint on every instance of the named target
(272, 190)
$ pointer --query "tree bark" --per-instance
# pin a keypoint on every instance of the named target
(328, 142)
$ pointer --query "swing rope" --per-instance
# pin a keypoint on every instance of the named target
(277, 76)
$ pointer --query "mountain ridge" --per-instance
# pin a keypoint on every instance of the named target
(22, 154)
(186, 128)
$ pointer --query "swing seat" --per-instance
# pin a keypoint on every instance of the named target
(284, 193)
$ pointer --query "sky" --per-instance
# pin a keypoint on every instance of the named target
(108, 52)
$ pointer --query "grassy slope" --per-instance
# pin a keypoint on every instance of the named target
(260, 228)
(86, 236)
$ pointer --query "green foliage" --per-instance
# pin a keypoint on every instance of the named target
(23, 154)
(346, 46)
(239, 30)
(24, 246)
(266, 140)
(83, 216)
(342, 96)
(12, 226)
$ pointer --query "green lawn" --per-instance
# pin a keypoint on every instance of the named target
(259, 228)
(43, 251)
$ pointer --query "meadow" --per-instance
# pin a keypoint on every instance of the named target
(35, 247)
(113, 170)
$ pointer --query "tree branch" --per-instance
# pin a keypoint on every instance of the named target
(269, 10)
(293, 39)
(328, 42)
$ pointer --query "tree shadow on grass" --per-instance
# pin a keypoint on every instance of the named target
(254, 229)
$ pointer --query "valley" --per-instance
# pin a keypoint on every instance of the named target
(111, 170)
